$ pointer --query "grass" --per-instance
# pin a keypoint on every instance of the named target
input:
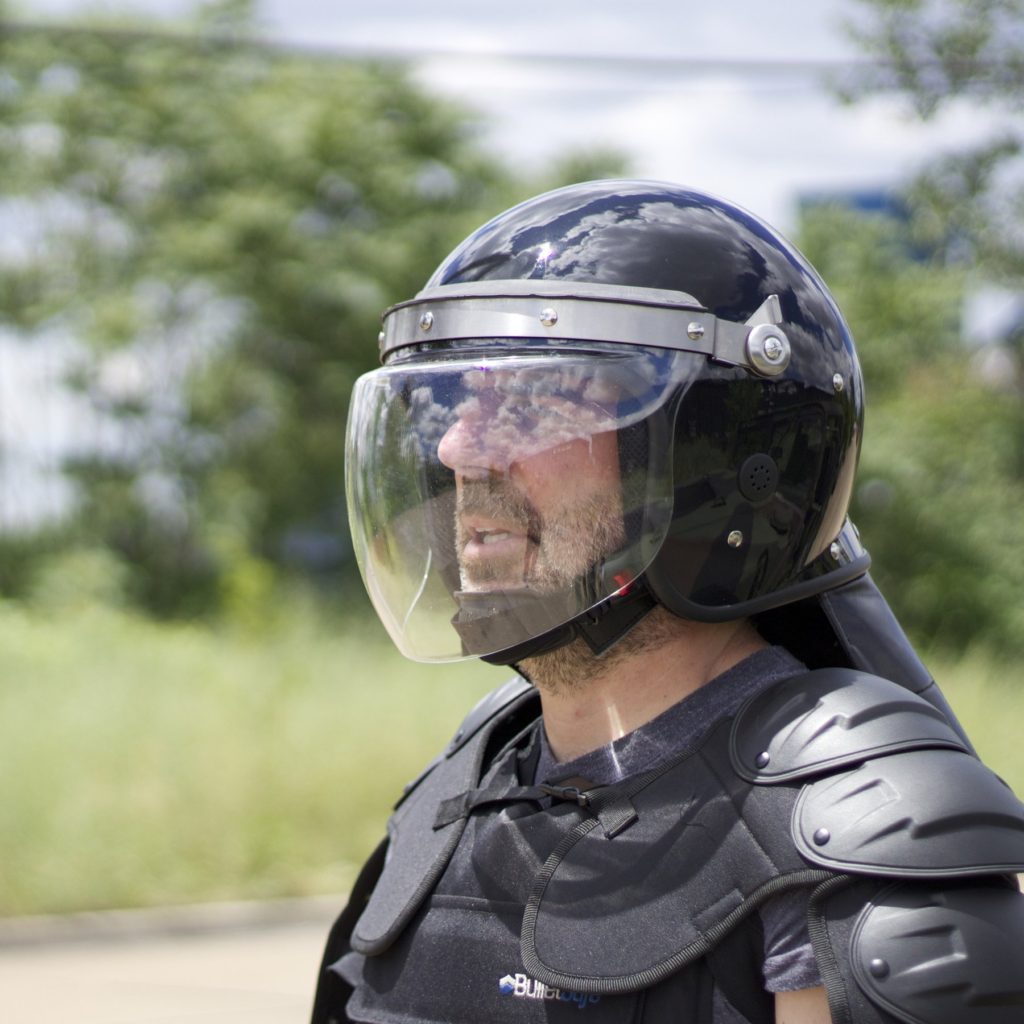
(148, 764)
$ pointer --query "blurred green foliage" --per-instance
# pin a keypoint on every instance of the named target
(168, 762)
(150, 763)
(942, 477)
(220, 224)
(941, 480)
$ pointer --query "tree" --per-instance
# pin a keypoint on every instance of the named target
(945, 445)
(932, 55)
(219, 225)
(939, 486)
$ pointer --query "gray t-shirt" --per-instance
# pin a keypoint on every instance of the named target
(789, 960)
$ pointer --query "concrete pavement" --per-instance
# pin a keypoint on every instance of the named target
(251, 963)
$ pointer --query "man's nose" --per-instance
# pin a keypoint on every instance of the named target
(468, 445)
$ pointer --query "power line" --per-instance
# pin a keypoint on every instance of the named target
(788, 73)
(629, 63)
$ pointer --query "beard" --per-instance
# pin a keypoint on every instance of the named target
(551, 550)
(569, 669)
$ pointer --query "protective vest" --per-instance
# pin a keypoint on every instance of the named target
(501, 901)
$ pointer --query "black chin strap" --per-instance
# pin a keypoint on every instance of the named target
(600, 628)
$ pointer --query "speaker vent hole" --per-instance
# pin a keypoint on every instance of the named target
(758, 478)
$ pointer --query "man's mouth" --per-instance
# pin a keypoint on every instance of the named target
(487, 537)
(493, 535)
(498, 536)
(495, 554)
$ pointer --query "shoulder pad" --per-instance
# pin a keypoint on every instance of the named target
(918, 813)
(488, 707)
(420, 849)
(485, 709)
(830, 718)
(943, 956)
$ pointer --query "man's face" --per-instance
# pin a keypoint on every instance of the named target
(538, 497)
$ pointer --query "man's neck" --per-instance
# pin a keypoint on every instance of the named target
(589, 702)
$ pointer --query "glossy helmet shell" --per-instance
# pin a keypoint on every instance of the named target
(763, 465)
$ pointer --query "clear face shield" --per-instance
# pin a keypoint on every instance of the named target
(495, 497)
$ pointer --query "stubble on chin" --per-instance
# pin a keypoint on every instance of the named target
(571, 669)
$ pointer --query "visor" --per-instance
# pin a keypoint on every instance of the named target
(498, 496)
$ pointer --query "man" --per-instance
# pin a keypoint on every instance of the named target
(613, 445)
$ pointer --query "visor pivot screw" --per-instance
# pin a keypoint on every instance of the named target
(549, 317)
(838, 383)
(735, 539)
(822, 836)
(878, 968)
(695, 331)
(762, 759)
(768, 350)
(426, 321)
(835, 551)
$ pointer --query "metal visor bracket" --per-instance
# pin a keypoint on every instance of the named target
(577, 312)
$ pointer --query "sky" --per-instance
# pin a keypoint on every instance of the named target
(667, 82)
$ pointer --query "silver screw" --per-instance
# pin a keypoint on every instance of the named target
(835, 551)
(695, 331)
(549, 317)
(768, 350)
(735, 539)
(822, 837)
(426, 321)
(380, 338)
(838, 383)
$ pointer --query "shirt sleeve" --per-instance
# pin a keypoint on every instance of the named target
(789, 962)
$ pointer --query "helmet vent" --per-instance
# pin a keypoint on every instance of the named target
(758, 478)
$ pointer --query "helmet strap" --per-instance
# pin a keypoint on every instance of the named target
(600, 628)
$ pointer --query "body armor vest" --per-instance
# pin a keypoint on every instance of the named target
(630, 901)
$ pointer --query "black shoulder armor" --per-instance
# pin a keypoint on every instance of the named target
(921, 813)
(920, 952)
(831, 718)
(890, 791)
(945, 956)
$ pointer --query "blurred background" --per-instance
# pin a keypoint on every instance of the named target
(204, 209)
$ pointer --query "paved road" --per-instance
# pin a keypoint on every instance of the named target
(256, 971)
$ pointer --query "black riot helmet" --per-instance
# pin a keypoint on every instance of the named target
(615, 395)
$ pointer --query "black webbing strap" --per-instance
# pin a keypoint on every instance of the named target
(461, 806)
(828, 965)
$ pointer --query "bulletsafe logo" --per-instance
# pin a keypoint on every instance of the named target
(522, 987)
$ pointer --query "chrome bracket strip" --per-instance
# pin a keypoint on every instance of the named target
(565, 312)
